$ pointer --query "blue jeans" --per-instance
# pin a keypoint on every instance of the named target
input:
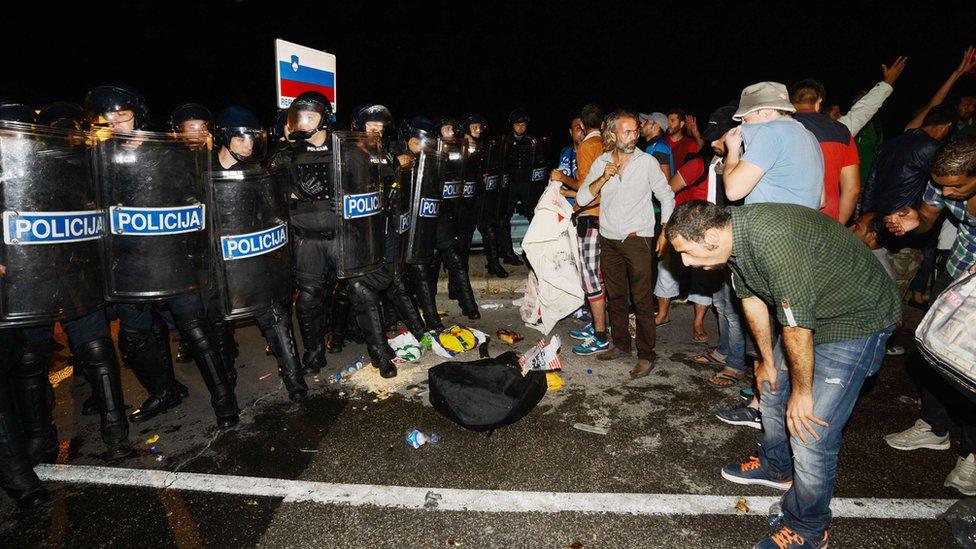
(839, 372)
(731, 326)
(671, 271)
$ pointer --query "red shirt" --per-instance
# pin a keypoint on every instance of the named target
(839, 151)
(690, 172)
(681, 149)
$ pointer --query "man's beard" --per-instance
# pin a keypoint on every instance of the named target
(627, 148)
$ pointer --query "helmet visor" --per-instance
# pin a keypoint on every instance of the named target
(246, 144)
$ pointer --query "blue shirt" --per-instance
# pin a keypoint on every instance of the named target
(660, 150)
(791, 159)
(567, 161)
(567, 165)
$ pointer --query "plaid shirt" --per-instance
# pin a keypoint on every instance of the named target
(813, 270)
(964, 249)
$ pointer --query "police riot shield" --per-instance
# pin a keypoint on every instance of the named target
(540, 170)
(425, 204)
(452, 154)
(249, 239)
(152, 187)
(493, 181)
(399, 218)
(474, 187)
(49, 268)
(359, 197)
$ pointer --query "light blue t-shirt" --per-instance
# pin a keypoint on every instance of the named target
(791, 159)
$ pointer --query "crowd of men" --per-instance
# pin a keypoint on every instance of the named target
(763, 215)
(760, 214)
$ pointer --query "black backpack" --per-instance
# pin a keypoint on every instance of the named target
(486, 394)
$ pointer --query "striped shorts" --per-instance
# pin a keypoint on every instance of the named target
(588, 230)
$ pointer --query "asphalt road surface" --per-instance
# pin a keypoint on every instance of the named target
(335, 471)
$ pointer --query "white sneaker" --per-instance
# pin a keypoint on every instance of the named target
(918, 436)
(963, 476)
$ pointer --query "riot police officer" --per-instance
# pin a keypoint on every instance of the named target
(388, 281)
(305, 131)
(131, 164)
(243, 201)
(486, 198)
(195, 122)
(66, 160)
(416, 139)
(517, 168)
(453, 149)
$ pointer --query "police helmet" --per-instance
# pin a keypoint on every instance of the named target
(369, 112)
(419, 127)
(238, 122)
(305, 105)
(62, 114)
(12, 111)
(114, 98)
(448, 121)
(189, 111)
(517, 116)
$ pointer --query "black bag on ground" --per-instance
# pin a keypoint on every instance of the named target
(485, 394)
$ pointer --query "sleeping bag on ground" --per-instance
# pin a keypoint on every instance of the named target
(485, 394)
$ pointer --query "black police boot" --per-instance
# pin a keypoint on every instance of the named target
(366, 304)
(396, 294)
(282, 342)
(147, 354)
(490, 244)
(17, 476)
(213, 371)
(310, 309)
(426, 297)
(34, 401)
(457, 273)
(102, 369)
(223, 332)
(338, 318)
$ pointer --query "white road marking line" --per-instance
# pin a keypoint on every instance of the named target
(489, 501)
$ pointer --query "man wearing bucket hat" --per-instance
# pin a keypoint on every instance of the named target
(782, 162)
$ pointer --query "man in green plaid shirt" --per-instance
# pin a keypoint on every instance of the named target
(837, 307)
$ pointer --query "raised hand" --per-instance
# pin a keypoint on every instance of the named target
(894, 71)
(968, 62)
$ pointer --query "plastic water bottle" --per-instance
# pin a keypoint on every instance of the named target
(354, 367)
(417, 438)
(775, 513)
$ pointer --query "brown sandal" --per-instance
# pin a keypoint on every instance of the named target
(726, 378)
(709, 359)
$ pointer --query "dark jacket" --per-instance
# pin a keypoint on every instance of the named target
(899, 173)
(898, 178)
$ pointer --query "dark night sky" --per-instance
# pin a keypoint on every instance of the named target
(433, 58)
